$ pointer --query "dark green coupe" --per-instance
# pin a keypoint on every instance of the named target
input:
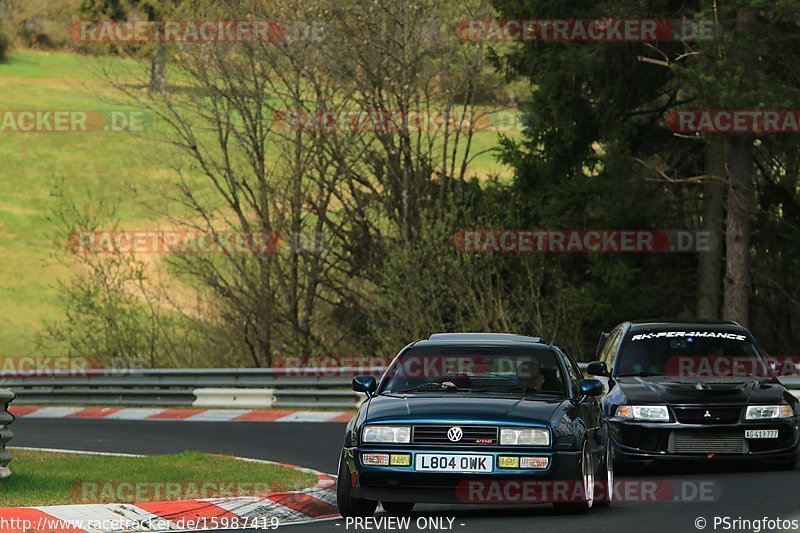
(477, 418)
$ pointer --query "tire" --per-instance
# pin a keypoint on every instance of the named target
(587, 480)
(347, 504)
(399, 508)
(604, 487)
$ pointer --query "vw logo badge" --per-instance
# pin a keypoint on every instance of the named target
(455, 434)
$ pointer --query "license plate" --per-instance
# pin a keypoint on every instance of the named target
(761, 434)
(442, 462)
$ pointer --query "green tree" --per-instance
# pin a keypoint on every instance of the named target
(4, 44)
(601, 156)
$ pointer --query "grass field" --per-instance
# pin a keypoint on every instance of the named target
(97, 165)
(44, 478)
(31, 165)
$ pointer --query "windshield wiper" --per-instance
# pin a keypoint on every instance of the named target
(438, 387)
(514, 388)
(641, 375)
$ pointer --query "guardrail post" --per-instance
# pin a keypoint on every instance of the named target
(6, 397)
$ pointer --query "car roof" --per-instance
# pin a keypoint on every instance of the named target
(481, 339)
(637, 325)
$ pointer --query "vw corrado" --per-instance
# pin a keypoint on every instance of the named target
(476, 418)
(694, 391)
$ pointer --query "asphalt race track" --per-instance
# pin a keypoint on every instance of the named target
(746, 493)
(310, 445)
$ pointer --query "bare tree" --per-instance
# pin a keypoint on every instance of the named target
(116, 308)
(247, 161)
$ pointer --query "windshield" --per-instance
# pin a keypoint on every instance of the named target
(512, 370)
(694, 354)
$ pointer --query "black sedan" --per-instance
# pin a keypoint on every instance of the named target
(477, 418)
(700, 391)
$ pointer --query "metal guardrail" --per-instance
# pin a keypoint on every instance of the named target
(257, 388)
(254, 388)
(6, 397)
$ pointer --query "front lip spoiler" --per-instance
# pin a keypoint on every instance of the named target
(636, 454)
(446, 496)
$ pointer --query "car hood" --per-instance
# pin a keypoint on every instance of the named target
(669, 390)
(435, 409)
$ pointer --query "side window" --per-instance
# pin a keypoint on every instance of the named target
(609, 354)
(607, 347)
(575, 375)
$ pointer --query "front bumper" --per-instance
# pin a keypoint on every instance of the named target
(500, 486)
(641, 441)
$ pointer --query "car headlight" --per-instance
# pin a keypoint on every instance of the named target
(387, 434)
(644, 413)
(525, 436)
(765, 412)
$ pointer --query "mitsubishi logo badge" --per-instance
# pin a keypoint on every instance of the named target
(707, 415)
(455, 434)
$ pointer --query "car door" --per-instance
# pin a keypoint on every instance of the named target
(589, 408)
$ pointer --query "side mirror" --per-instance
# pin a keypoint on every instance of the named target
(591, 387)
(365, 384)
(601, 342)
(597, 368)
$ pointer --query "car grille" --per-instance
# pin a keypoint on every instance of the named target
(471, 435)
(708, 415)
(707, 442)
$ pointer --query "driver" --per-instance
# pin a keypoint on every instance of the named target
(529, 375)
